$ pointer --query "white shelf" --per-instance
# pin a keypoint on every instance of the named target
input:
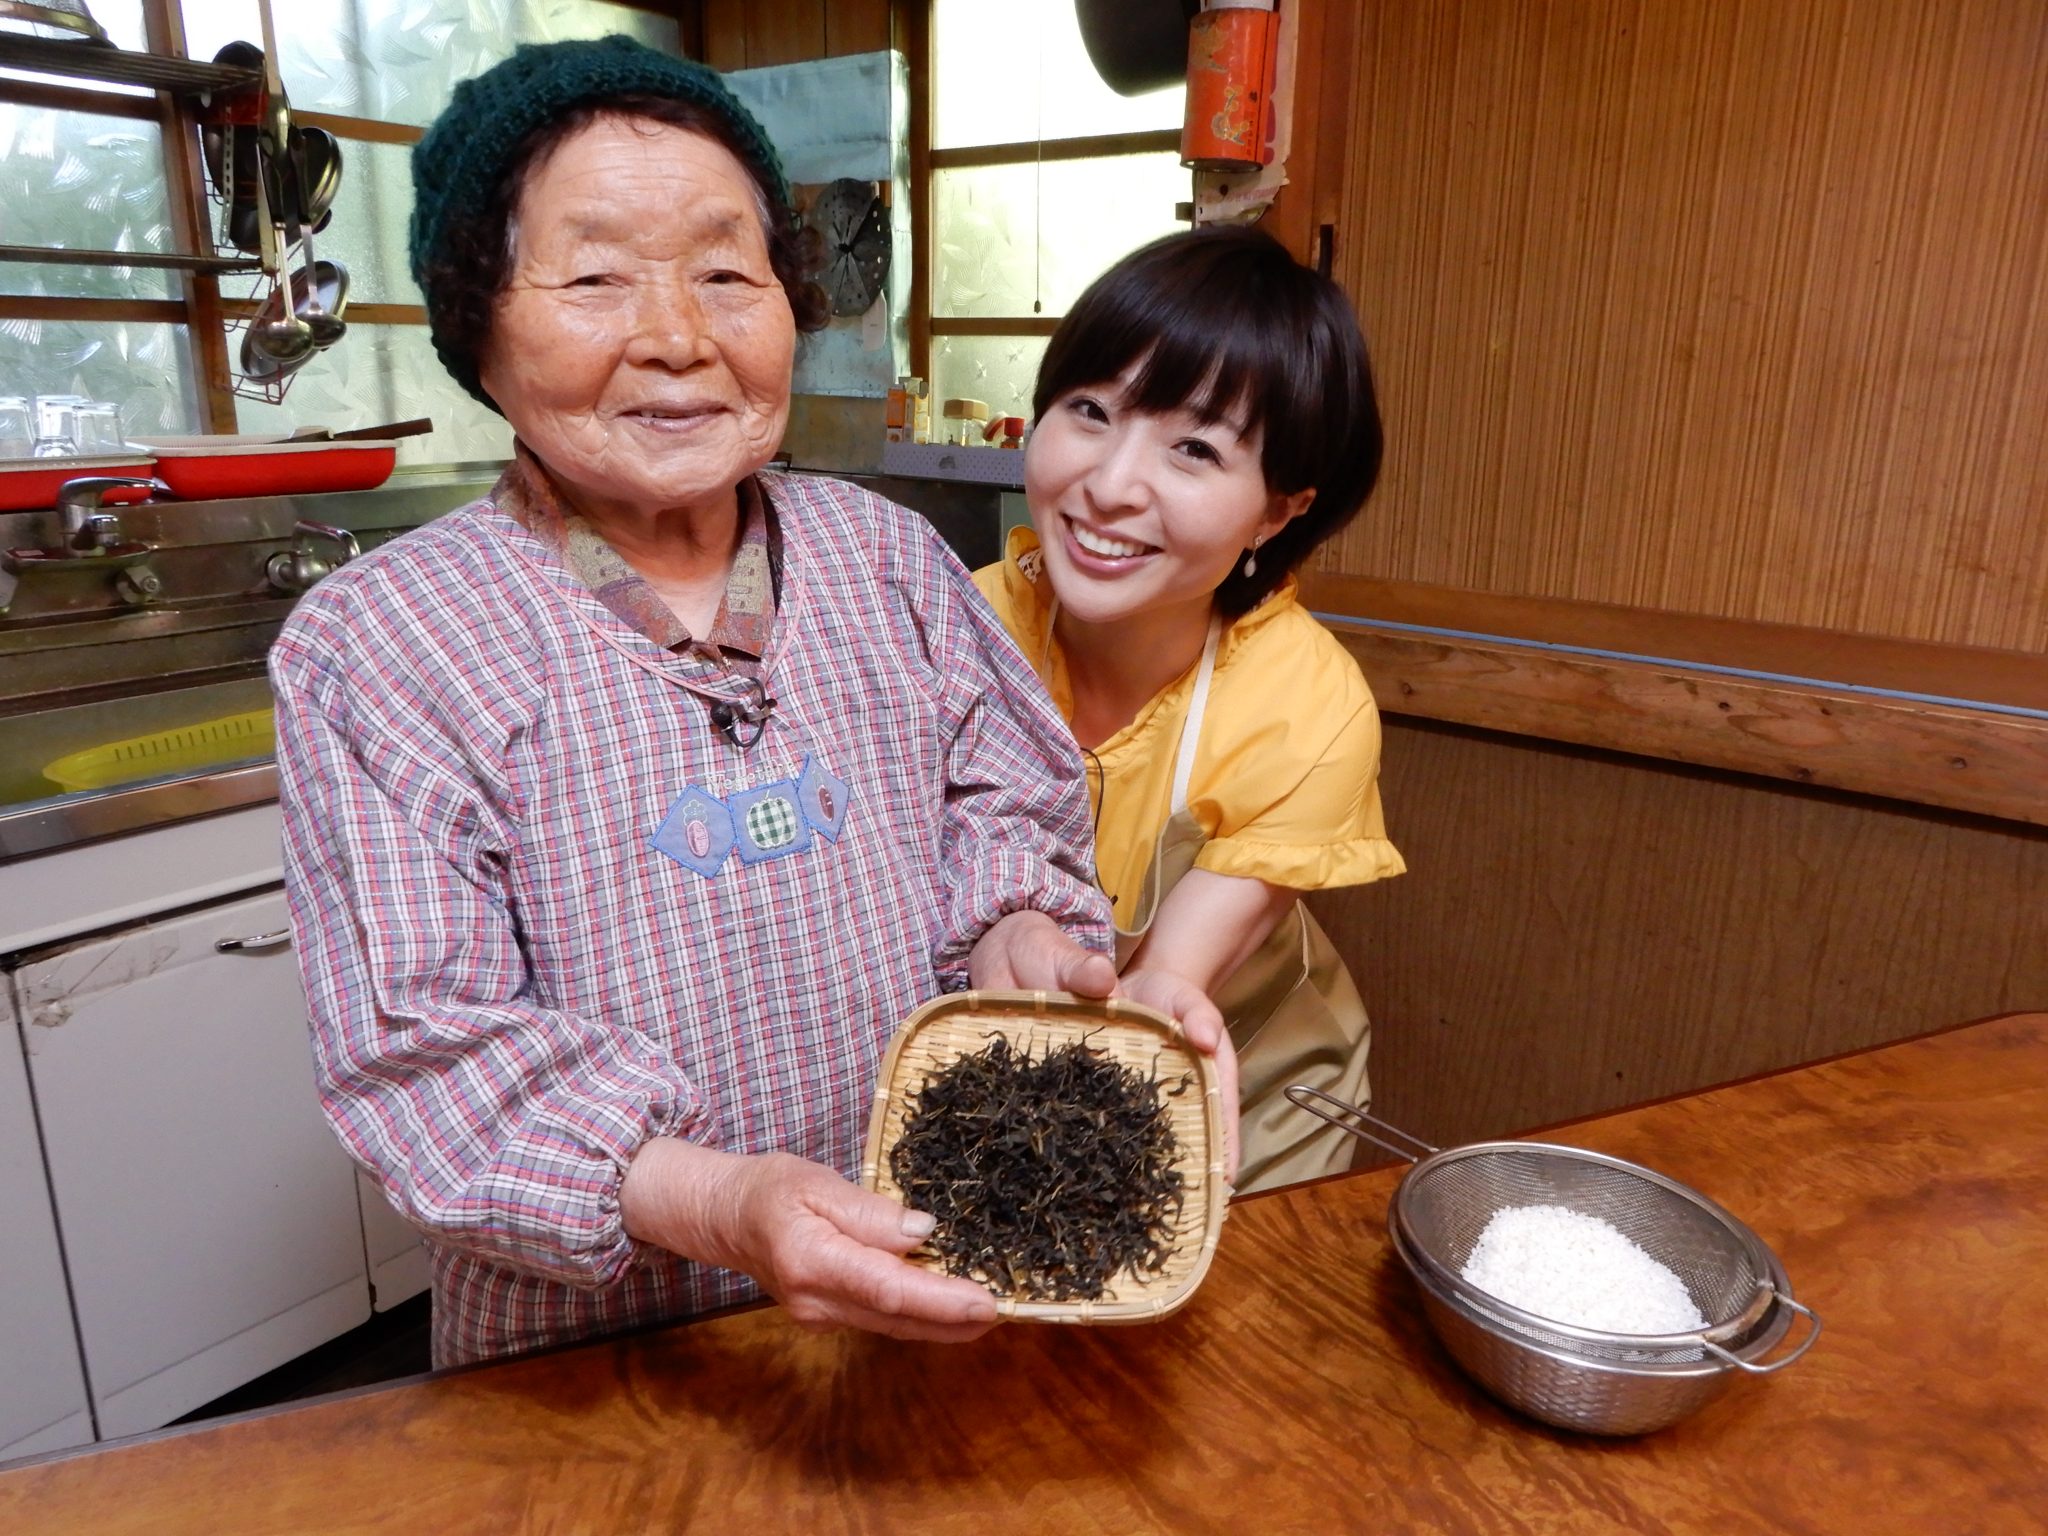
(939, 461)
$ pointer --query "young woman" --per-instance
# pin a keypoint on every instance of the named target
(1206, 418)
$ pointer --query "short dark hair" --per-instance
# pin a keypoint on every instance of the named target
(1222, 321)
(469, 270)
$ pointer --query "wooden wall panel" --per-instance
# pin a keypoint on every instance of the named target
(724, 23)
(1579, 931)
(1961, 759)
(856, 26)
(785, 33)
(1723, 306)
(748, 34)
(1313, 195)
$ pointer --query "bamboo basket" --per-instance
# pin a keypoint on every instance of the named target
(962, 1023)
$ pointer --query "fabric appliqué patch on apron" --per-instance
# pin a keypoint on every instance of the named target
(822, 796)
(761, 822)
(697, 832)
(769, 822)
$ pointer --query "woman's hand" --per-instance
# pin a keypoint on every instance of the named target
(1029, 952)
(828, 1250)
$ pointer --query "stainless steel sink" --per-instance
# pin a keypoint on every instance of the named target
(31, 741)
(83, 664)
(47, 665)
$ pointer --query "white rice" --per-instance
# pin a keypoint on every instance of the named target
(1580, 1270)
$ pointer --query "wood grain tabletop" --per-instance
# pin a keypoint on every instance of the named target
(1299, 1391)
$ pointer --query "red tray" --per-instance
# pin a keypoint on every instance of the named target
(27, 485)
(218, 467)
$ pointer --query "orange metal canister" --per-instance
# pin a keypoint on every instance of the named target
(1229, 124)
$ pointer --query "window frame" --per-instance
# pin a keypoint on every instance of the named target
(201, 309)
(926, 160)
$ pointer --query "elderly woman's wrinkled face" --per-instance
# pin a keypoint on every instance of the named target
(642, 347)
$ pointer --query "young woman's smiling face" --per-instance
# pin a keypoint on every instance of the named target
(1139, 513)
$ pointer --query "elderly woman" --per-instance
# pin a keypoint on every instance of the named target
(629, 809)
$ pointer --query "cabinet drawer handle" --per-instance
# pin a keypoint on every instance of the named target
(254, 941)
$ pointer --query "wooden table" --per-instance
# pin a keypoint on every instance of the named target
(1906, 1190)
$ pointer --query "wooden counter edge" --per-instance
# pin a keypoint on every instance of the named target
(1946, 756)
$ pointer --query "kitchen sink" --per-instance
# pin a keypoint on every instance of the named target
(31, 741)
(85, 663)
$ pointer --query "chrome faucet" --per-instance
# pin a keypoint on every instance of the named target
(294, 570)
(88, 526)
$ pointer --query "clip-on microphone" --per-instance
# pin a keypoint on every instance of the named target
(730, 718)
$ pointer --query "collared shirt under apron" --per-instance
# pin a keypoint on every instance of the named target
(1294, 1013)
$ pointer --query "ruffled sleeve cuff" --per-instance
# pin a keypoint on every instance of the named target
(1303, 867)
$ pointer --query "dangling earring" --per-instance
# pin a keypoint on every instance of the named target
(1251, 560)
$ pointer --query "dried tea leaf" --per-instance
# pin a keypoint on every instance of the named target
(1048, 1176)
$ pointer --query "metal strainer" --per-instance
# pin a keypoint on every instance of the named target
(1576, 1377)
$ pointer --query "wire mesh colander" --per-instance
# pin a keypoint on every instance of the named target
(1724, 1266)
(1582, 1378)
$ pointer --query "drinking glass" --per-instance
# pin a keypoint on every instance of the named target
(57, 425)
(17, 428)
(96, 428)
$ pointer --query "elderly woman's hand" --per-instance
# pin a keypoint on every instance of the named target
(828, 1250)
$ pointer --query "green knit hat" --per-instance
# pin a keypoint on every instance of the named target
(457, 165)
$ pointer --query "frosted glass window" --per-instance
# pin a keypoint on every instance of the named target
(1000, 370)
(398, 60)
(86, 182)
(1021, 240)
(1004, 75)
(379, 373)
(145, 369)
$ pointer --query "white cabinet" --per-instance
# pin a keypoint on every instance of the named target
(209, 1216)
(392, 1250)
(56, 896)
(43, 1405)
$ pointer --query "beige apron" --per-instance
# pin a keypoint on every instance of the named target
(1293, 1012)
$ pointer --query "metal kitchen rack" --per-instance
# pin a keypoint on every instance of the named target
(121, 66)
(83, 60)
(43, 255)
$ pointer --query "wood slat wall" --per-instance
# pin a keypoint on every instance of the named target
(1735, 307)
(748, 34)
(1579, 931)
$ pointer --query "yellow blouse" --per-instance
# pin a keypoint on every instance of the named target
(1286, 776)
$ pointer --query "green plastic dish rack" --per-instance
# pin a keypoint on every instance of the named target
(186, 749)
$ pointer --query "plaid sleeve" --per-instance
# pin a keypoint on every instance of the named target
(497, 1125)
(1017, 834)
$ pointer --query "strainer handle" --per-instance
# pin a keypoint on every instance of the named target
(1345, 1115)
(1812, 1333)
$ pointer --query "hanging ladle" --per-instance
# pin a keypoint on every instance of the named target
(277, 334)
(327, 327)
(283, 338)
